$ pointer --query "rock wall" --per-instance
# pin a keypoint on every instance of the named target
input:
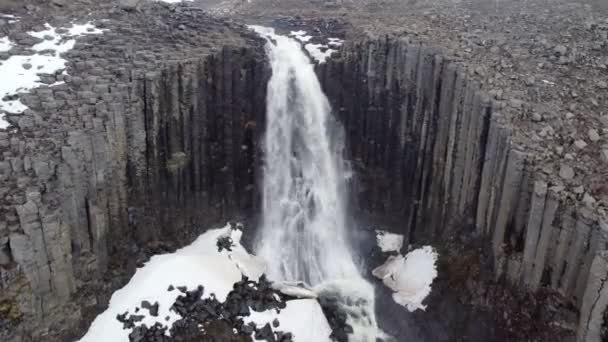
(432, 150)
(152, 139)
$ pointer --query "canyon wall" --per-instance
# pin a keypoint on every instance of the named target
(433, 150)
(151, 140)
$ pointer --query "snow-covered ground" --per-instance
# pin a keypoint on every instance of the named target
(319, 52)
(5, 44)
(10, 18)
(202, 264)
(301, 36)
(20, 74)
(410, 276)
(302, 317)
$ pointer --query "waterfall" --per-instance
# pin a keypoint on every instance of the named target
(303, 233)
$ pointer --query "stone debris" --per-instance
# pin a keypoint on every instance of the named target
(566, 172)
(225, 242)
(593, 135)
(152, 308)
(203, 314)
(580, 144)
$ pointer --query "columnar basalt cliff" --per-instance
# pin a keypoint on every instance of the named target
(436, 155)
(152, 139)
(155, 137)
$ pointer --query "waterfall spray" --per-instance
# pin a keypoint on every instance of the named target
(303, 233)
(303, 223)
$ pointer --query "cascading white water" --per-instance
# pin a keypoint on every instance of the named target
(303, 231)
(303, 223)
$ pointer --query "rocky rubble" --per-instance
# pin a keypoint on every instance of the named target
(203, 316)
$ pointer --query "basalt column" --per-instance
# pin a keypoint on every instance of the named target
(196, 164)
(135, 158)
(435, 154)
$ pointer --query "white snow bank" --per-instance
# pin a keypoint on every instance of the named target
(319, 52)
(10, 18)
(389, 242)
(201, 264)
(5, 44)
(197, 264)
(303, 318)
(410, 277)
(20, 73)
(301, 36)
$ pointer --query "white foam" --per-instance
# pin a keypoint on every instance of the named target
(303, 318)
(303, 234)
(294, 290)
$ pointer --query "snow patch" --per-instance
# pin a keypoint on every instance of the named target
(301, 36)
(21, 73)
(201, 264)
(410, 277)
(335, 42)
(5, 44)
(389, 242)
(303, 318)
(319, 52)
(197, 264)
(10, 18)
(173, 1)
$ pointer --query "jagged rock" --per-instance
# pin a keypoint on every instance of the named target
(152, 308)
(224, 242)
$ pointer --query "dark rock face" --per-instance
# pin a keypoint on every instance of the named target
(152, 139)
(434, 154)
